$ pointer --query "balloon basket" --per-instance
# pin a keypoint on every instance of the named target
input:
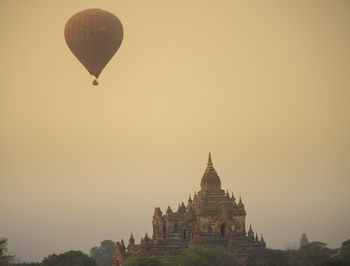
(95, 82)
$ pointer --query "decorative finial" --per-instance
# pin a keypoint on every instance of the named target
(131, 240)
(262, 242)
(240, 203)
(210, 163)
(250, 229)
(251, 232)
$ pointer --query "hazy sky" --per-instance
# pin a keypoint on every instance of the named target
(263, 85)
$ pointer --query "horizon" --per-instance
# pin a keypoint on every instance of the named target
(263, 86)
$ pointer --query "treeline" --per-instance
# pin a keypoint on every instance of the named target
(312, 254)
(69, 258)
(192, 256)
(309, 254)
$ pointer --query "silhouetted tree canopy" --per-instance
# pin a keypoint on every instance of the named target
(314, 252)
(27, 264)
(342, 258)
(277, 257)
(143, 261)
(69, 258)
(103, 255)
(193, 256)
(198, 255)
(344, 251)
(5, 259)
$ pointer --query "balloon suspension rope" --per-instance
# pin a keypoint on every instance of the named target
(95, 82)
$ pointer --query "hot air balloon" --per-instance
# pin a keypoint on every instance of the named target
(94, 36)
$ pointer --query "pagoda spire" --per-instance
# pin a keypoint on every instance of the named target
(169, 210)
(146, 238)
(262, 242)
(233, 197)
(240, 203)
(210, 179)
(210, 163)
(250, 232)
(250, 229)
(131, 240)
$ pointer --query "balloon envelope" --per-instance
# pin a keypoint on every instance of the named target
(94, 36)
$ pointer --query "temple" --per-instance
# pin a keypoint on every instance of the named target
(212, 218)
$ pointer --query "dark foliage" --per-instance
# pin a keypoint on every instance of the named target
(198, 255)
(5, 259)
(344, 251)
(27, 264)
(69, 258)
(314, 252)
(143, 261)
(103, 255)
(334, 262)
(193, 256)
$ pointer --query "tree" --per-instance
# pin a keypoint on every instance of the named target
(333, 262)
(314, 252)
(27, 264)
(193, 256)
(276, 257)
(69, 258)
(344, 251)
(143, 261)
(103, 255)
(5, 259)
(303, 240)
(198, 255)
(342, 259)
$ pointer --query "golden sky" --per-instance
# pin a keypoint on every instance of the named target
(263, 85)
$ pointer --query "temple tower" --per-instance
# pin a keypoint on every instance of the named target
(211, 218)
